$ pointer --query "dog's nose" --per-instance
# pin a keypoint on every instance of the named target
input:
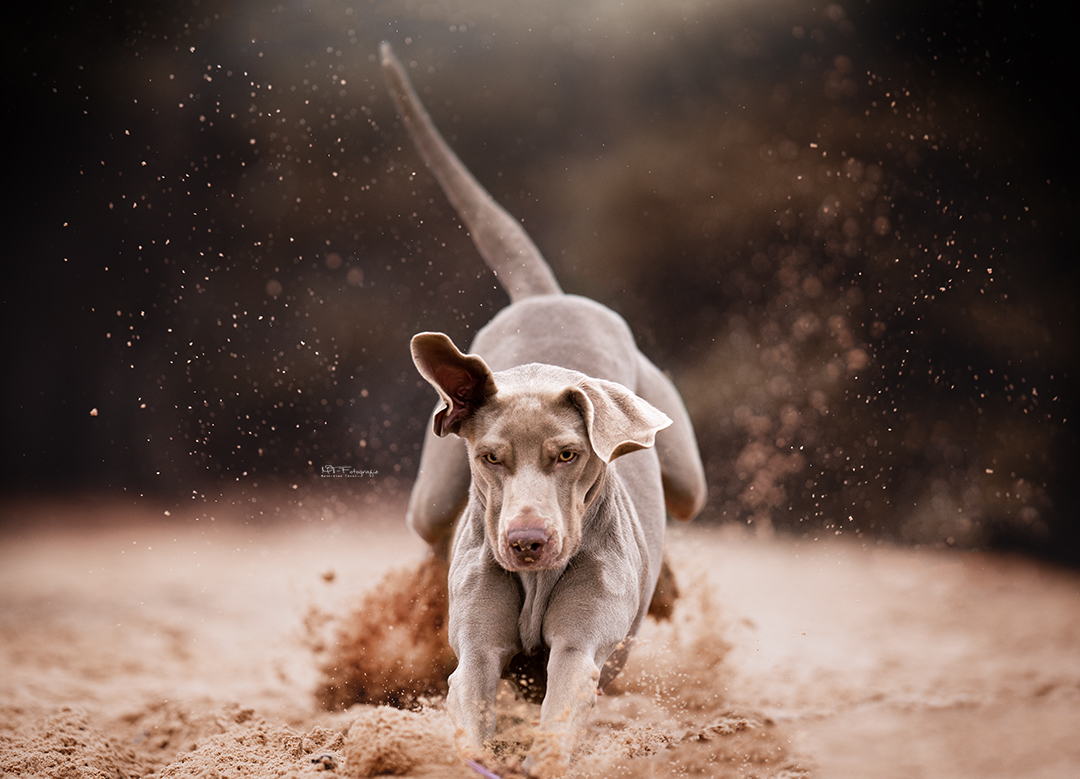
(527, 544)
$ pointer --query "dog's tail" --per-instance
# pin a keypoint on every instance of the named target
(502, 242)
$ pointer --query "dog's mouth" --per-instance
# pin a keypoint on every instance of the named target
(530, 549)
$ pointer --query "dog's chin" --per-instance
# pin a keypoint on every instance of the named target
(538, 566)
(544, 562)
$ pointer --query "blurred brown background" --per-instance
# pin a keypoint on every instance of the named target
(846, 229)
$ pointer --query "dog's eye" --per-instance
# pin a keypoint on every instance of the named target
(567, 456)
(490, 458)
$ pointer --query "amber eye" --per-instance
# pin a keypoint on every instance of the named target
(490, 458)
(567, 456)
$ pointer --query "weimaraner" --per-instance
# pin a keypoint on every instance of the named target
(553, 471)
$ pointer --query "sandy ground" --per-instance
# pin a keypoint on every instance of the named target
(137, 644)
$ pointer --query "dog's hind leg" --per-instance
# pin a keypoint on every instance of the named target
(681, 470)
(440, 491)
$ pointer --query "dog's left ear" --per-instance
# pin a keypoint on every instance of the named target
(463, 381)
(618, 421)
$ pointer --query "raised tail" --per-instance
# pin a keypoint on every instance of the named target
(504, 245)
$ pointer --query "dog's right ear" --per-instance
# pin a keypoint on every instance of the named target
(463, 381)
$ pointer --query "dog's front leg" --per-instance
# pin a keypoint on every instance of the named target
(483, 632)
(573, 678)
(588, 621)
(471, 699)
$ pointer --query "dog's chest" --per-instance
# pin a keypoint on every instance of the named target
(536, 587)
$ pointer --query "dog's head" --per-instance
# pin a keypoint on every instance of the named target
(540, 438)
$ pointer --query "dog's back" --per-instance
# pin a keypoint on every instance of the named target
(565, 330)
